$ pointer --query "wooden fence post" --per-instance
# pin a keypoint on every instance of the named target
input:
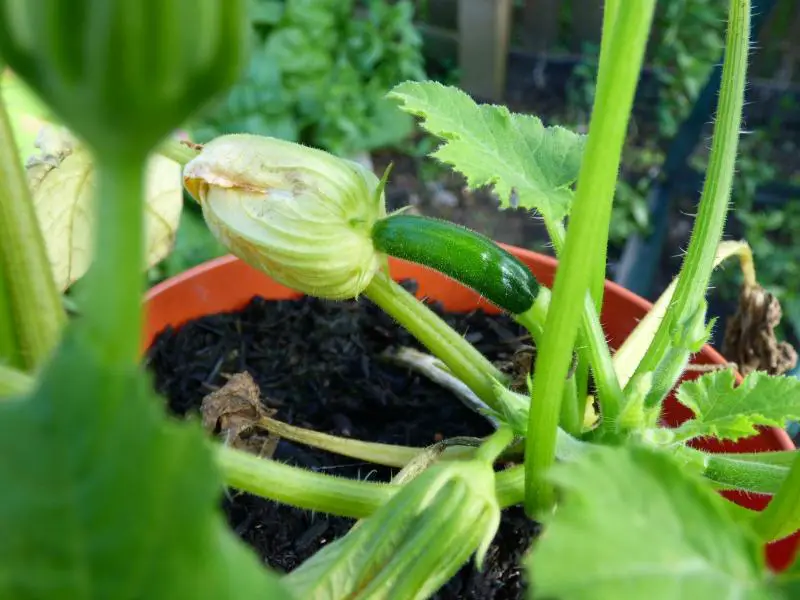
(483, 43)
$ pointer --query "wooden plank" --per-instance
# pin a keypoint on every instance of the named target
(540, 25)
(484, 27)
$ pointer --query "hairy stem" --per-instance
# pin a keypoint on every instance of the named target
(698, 263)
(463, 360)
(32, 303)
(586, 236)
(628, 356)
(781, 518)
(750, 476)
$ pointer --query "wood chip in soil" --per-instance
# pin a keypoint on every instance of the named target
(318, 365)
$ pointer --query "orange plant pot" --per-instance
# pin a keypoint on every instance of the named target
(227, 284)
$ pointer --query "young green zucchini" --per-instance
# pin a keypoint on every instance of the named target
(460, 253)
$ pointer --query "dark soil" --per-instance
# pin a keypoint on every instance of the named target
(318, 363)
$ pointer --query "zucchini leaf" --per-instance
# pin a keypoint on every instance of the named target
(103, 497)
(489, 145)
(633, 524)
(728, 412)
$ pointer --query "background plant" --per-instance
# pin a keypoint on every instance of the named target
(688, 44)
(319, 72)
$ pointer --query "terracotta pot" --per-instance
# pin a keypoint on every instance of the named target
(227, 284)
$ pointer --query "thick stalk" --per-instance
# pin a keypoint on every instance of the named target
(301, 487)
(593, 348)
(598, 268)
(593, 199)
(32, 300)
(781, 518)
(749, 476)
(699, 260)
(461, 357)
(114, 295)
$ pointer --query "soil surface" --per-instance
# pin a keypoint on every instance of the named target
(318, 365)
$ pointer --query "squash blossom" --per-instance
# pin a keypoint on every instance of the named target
(413, 544)
(301, 215)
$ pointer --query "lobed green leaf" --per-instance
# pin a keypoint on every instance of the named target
(731, 412)
(515, 153)
(633, 524)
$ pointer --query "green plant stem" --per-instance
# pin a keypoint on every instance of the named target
(698, 263)
(463, 360)
(750, 476)
(593, 348)
(495, 444)
(114, 295)
(628, 356)
(571, 419)
(177, 151)
(389, 455)
(301, 487)
(32, 300)
(586, 237)
(333, 495)
(598, 268)
(781, 517)
(610, 11)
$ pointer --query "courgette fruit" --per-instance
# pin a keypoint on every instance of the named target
(461, 254)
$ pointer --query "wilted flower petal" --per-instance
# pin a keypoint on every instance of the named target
(62, 183)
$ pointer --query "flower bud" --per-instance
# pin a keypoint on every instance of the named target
(122, 74)
(412, 545)
(299, 214)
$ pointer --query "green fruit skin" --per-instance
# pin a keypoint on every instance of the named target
(462, 254)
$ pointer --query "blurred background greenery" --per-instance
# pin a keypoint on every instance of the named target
(319, 71)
